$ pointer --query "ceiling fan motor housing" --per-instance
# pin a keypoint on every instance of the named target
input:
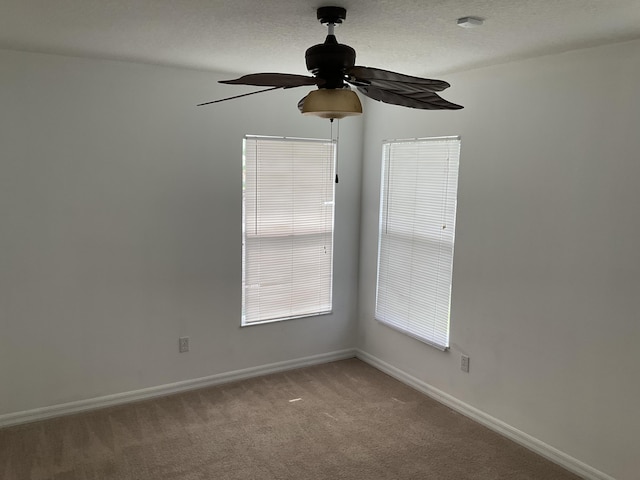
(329, 61)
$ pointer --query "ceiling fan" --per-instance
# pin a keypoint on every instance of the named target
(333, 69)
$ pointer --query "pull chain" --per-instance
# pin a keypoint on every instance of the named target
(331, 137)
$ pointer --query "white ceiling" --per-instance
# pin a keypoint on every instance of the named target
(418, 37)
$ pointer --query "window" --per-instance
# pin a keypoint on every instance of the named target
(415, 245)
(287, 244)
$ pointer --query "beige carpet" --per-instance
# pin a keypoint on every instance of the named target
(343, 420)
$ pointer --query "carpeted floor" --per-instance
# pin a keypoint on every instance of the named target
(342, 420)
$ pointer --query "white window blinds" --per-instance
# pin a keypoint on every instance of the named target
(288, 206)
(417, 226)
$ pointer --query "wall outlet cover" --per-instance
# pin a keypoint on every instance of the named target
(464, 363)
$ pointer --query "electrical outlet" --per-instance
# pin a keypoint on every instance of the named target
(464, 363)
(183, 344)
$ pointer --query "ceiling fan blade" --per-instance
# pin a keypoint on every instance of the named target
(237, 96)
(424, 100)
(281, 80)
(301, 102)
(381, 78)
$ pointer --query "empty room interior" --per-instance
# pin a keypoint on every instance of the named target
(127, 241)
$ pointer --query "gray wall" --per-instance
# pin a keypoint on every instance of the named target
(120, 229)
(547, 267)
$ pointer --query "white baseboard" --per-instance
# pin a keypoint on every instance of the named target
(162, 390)
(547, 451)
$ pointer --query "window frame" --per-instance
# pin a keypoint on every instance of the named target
(394, 319)
(331, 161)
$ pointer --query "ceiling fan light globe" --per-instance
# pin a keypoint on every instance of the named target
(332, 103)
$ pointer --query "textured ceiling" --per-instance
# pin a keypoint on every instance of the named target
(418, 37)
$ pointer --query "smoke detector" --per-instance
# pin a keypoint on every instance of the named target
(470, 22)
